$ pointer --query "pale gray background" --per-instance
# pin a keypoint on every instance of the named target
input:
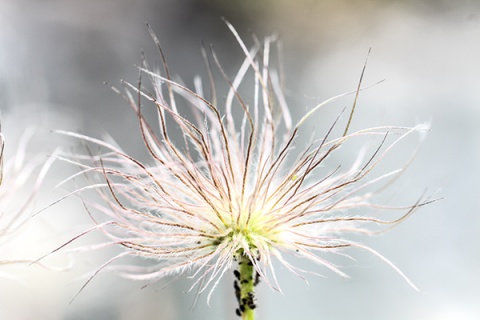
(54, 56)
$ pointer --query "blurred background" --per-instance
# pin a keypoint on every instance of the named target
(56, 54)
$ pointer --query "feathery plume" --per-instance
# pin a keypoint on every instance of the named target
(21, 177)
(232, 192)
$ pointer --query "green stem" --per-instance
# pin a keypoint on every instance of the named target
(245, 287)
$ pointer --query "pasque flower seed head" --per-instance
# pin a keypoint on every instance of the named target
(233, 189)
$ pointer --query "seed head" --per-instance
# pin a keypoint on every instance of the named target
(233, 184)
(20, 179)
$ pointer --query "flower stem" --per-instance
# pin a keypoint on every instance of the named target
(245, 287)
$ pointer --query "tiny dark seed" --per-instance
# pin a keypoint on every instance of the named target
(236, 273)
(257, 279)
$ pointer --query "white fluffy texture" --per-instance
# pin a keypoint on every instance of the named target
(229, 185)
